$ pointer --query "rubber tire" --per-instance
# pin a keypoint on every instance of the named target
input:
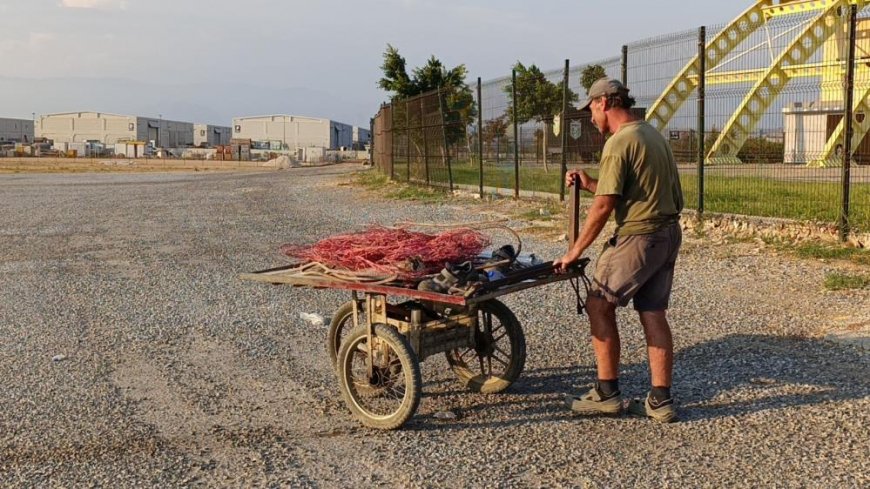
(410, 368)
(341, 321)
(494, 384)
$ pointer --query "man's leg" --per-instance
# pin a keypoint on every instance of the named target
(658, 404)
(605, 397)
(605, 337)
(660, 347)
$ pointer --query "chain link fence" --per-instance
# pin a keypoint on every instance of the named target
(758, 112)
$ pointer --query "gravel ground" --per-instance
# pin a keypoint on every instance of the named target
(132, 355)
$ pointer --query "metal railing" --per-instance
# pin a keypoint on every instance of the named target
(757, 113)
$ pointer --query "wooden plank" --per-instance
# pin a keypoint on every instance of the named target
(574, 215)
(276, 277)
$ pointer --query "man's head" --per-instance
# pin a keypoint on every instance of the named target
(608, 99)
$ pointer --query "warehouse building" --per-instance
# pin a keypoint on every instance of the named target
(361, 137)
(291, 132)
(16, 131)
(208, 136)
(79, 127)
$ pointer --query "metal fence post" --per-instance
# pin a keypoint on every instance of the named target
(562, 125)
(480, 136)
(444, 135)
(702, 94)
(625, 65)
(425, 142)
(847, 120)
(516, 135)
(392, 141)
(372, 143)
(408, 139)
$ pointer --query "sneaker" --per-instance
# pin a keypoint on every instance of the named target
(440, 283)
(663, 413)
(594, 403)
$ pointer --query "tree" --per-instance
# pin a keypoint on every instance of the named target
(396, 78)
(495, 130)
(456, 100)
(538, 99)
(590, 75)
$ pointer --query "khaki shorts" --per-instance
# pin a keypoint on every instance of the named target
(639, 267)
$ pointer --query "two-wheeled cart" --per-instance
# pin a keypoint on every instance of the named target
(376, 343)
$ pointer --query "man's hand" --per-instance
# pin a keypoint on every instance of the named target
(572, 176)
(579, 177)
(561, 265)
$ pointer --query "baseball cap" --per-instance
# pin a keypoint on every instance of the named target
(601, 87)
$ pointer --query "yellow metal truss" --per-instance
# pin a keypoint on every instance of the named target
(794, 7)
(824, 69)
(676, 94)
(861, 106)
(860, 127)
(775, 78)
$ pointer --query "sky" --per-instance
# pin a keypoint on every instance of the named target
(210, 60)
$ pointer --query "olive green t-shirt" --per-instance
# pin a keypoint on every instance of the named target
(637, 165)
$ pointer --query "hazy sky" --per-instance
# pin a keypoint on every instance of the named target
(317, 58)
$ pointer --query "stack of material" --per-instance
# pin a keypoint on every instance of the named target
(407, 255)
(240, 150)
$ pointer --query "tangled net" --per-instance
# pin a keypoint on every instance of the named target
(393, 252)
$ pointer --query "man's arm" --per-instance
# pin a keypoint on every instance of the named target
(596, 218)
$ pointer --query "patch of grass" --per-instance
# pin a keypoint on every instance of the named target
(820, 251)
(376, 181)
(371, 179)
(745, 195)
(543, 211)
(771, 197)
(418, 194)
(830, 252)
(845, 281)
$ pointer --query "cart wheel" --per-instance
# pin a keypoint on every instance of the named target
(340, 326)
(499, 355)
(390, 396)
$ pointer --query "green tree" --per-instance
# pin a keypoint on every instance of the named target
(495, 130)
(395, 77)
(456, 96)
(591, 74)
(538, 99)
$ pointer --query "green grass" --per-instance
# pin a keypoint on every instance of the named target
(820, 251)
(370, 179)
(832, 252)
(417, 194)
(373, 180)
(755, 196)
(750, 196)
(845, 281)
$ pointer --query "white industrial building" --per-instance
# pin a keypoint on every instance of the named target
(291, 132)
(361, 137)
(16, 130)
(206, 135)
(79, 127)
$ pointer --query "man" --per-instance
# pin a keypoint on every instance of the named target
(638, 180)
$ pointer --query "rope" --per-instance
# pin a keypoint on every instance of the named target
(474, 226)
(318, 270)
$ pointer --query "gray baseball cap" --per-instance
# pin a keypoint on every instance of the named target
(601, 87)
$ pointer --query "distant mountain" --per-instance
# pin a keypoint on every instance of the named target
(213, 103)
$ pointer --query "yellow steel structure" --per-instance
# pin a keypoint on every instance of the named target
(830, 94)
(799, 7)
(823, 69)
(860, 126)
(828, 29)
(764, 92)
(676, 94)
